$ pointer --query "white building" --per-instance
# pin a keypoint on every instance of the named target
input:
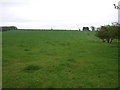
(119, 12)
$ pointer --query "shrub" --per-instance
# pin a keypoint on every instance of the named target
(108, 33)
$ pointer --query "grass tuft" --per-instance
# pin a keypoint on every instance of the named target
(31, 68)
(26, 49)
(70, 60)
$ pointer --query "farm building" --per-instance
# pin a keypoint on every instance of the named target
(7, 28)
(86, 29)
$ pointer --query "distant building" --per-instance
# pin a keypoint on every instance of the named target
(7, 28)
(115, 24)
(98, 28)
(119, 13)
(86, 29)
(118, 8)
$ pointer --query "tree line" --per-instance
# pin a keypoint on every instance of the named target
(8, 28)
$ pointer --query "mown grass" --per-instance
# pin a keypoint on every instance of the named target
(58, 59)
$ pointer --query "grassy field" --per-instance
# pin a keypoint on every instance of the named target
(0, 60)
(58, 59)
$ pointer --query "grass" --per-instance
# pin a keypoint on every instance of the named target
(31, 68)
(58, 59)
(0, 60)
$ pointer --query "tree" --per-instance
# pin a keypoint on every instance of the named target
(93, 28)
(108, 33)
(101, 34)
(51, 28)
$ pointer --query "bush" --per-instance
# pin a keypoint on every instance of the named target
(108, 33)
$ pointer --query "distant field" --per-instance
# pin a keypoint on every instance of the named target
(58, 59)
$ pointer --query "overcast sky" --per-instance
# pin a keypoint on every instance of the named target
(58, 14)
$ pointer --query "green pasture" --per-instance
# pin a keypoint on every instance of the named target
(0, 60)
(58, 59)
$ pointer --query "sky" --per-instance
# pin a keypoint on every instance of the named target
(57, 14)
